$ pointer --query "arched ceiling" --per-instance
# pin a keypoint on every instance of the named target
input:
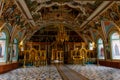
(43, 15)
(48, 34)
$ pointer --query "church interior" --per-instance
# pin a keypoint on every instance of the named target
(59, 40)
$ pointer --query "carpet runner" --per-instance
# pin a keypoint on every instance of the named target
(70, 74)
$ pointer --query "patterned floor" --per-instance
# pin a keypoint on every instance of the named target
(94, 72)
(32, 73)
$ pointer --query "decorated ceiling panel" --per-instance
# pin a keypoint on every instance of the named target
(61, 9)
(11, 14)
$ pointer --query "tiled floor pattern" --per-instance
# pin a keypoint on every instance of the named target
(94, 72)
(32, 73)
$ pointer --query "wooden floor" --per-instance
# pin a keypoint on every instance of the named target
(69, 74)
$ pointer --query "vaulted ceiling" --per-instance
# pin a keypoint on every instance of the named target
(40, 18)
(74, 14)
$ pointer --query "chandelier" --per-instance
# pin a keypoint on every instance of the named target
(62, 35)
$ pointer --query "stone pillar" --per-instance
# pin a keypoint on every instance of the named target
(10, 54)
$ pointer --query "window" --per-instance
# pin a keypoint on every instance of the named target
(2, 47)
(100, 49)
(15, 50)
(115, 45)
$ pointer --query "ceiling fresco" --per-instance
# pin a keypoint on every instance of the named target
(72, 12)
(36, 19)
(76, 10)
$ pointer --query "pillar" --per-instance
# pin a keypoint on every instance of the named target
(52, 57)
(10, 54)
(57, 55)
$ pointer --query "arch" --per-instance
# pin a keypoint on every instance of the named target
(32, 54)
(8, 28)
(97, 34)
(5, 30)
(115, 45)
(111, 31)
(68, 25)
(100, 48)
(33, 51)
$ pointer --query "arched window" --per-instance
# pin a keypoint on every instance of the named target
(15, 50)
(100, 49)
(2, 47)
(115, 45)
